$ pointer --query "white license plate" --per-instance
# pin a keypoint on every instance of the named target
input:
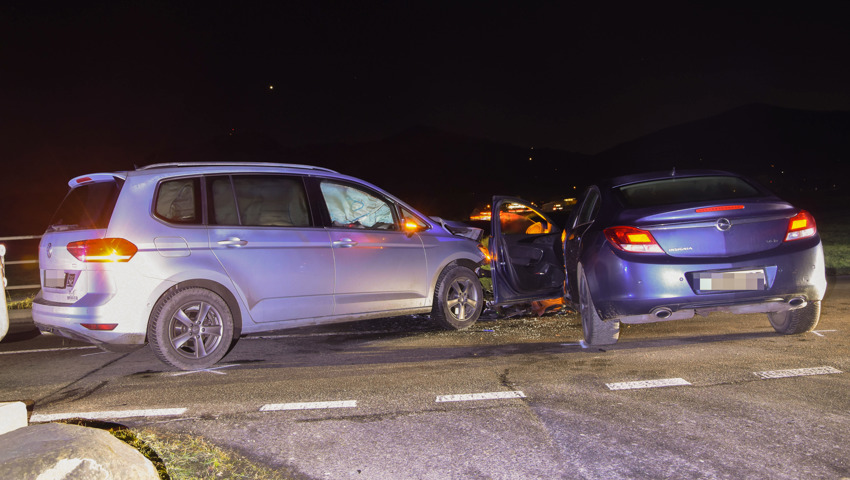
(54, 278)
(730, 281)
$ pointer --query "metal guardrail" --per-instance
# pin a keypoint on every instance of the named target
(17, 262)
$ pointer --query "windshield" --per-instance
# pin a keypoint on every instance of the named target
(683, 190)
(87, 206)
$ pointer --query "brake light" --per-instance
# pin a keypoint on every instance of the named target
(103, 250)
(100, 326)
(801, 226)
(631, 239)
(720, 209)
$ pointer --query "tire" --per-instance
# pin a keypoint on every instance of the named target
(191, 329)
(596, 331)
(458, 299)
(801, 320)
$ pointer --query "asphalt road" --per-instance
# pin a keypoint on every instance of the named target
(519, 398)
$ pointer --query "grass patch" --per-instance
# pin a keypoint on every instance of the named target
(189, 457)
(834, 229)
(19, 304)
(182, 456)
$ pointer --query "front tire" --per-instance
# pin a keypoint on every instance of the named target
(801, 320)
(596, 331)
(191, 329)
(458, 299)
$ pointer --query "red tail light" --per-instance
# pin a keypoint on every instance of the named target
(631, 239)
(103, 250)
(801, 226)
(100, 326)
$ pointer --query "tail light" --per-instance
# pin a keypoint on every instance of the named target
(103, 250)
(631, 239)
(801, 226)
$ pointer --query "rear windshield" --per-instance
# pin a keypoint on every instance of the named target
(685, 190)
(87, 206)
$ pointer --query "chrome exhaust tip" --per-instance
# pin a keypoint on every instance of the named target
(661, 312)
(797, 302)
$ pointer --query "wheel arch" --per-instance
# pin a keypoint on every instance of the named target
(457, 262)
(215, 287)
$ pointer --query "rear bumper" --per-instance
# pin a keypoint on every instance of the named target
(632, 290)
(66, 320)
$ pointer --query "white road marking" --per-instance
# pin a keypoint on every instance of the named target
(797, 372)
(820, 332)
(42, 350)
(109, 415)
(480, 396)
(664, 382)
(271, 407)
(209, 370)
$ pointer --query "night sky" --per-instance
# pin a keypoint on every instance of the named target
(114, 84)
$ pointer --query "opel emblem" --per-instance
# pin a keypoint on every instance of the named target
(723, 224)
(49, 250)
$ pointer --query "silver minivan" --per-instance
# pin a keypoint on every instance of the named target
(190, 256)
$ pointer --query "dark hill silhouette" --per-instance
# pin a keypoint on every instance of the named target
(796, 153)
(802, 155)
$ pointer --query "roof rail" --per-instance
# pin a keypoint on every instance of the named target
(233, 164)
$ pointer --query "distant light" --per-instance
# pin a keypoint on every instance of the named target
(271, 87)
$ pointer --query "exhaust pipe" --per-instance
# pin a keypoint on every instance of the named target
(797, 302)
(661, 312)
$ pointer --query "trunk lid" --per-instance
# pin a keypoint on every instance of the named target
(717, 230)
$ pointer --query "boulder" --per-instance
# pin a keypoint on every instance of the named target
(57, 451)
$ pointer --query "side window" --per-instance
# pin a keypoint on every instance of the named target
(515, 218)
(179, 201)
(589, 208)
(408, 216)
(352, 207)
(259, 200)
(222, 203)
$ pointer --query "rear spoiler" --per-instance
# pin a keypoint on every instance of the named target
(460, 229)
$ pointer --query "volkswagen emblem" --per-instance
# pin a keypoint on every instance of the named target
(49, 250)
(723, 224)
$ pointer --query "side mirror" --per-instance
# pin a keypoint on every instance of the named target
(410, 226)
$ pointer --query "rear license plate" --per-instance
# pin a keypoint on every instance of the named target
(54, 278)
(730, 281)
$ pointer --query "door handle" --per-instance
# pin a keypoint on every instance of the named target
(234, 242)
(344, 243)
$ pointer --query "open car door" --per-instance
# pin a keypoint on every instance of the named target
(527, 258)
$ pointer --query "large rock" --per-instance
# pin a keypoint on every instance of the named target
(57, 451)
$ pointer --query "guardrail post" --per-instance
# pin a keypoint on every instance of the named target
(4, 314)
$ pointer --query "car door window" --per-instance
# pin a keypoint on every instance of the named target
(515, 218)
(259, 201)
(353, 207)
(589, 208)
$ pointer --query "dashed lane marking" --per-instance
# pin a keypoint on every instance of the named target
(797, 372)
(665, 382)
(42, 350)
(208, 370)
(481, 396)
(109, 415)
(271, 407)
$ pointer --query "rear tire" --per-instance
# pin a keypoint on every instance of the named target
(596, 331)
(191, 329)
(801, 320)
(458, 299)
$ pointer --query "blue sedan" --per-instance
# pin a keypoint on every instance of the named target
(663, 246)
